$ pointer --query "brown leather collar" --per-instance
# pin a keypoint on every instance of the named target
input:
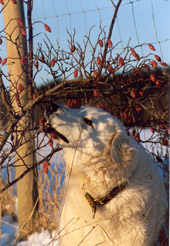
(94, 203)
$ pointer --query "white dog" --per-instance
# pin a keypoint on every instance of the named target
(114, 193)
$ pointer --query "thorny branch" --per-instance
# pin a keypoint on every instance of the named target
(29, 169)
(110, 31)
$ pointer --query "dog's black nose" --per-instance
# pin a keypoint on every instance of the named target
(52, 108)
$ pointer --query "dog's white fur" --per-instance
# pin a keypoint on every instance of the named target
(100, 157)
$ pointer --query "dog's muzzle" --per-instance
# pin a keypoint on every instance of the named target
(47, 127)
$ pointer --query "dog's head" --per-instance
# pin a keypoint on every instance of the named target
(87, 133)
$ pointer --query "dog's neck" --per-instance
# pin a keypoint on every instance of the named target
(94, 203)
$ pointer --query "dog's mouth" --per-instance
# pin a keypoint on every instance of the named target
(48, 129)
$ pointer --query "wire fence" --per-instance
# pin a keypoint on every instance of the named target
(138, 21)
(141, 20)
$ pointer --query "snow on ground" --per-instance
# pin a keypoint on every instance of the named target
(41, 239)
(10, 231)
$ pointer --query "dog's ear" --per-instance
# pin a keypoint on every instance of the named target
(122, 149)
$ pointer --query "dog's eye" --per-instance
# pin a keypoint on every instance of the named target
(88, 122)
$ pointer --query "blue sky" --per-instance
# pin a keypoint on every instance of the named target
(102, 10)
(83, 14)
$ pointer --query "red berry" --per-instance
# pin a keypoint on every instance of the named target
(121, 61)
(110, 69)
(125, 115)
(95, 93)
(141, 92)
(128, 120)
(99, 61)
(137, 57)
(21, 24)
(75, 101)
(95, 74)
(2, 2)
(4, 61)
(100, 43)
(158, 84)
(24, 60)
(34, 96)
(42, 121)
(45, 169)
(52, 63)
(45, 166)
(23, 32)
(133, 133)
(109, 43)
(75, 73)
(47, 28)
(20, 88)
(147, 67)
(133, 94)
(164, 64)
(53, 135)
(36, 64)
(73, 48)
(133, 52)
(157, 58)
(151, 47)
(137, 138)
(46, 163)
(154, 64)
(101, 106)
(138, 108)
(152, 77)
(69, 103)
(50, 142)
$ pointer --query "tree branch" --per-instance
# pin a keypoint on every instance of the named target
(29, 169)
(110, 33)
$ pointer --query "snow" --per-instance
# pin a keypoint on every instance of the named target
(10, 232)
(40, 239)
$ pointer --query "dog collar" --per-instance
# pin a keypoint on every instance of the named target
(94, 203)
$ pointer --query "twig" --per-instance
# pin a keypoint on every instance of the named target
(110, 33)
(29, 169)
(113, 3)
(4, 98)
